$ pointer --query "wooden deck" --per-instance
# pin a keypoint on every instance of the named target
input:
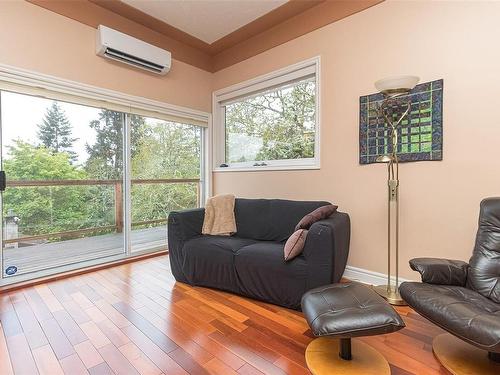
(50, 255)
(135, 319)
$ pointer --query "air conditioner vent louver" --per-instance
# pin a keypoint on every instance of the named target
(125, 57)
(117, 46)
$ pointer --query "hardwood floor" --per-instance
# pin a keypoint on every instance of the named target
(135, 319)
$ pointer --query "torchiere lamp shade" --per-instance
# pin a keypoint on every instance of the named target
(396, 85)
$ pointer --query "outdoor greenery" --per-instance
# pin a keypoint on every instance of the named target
(279, 124)
(55, 131)
(275, 125)
(158, 150)
(44, 209)
(165, 152)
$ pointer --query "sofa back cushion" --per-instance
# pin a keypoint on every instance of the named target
(484, 265)
(270, 219)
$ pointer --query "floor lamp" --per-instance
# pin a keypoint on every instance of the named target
(393, 109)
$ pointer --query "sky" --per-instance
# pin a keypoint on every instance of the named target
(21, 115)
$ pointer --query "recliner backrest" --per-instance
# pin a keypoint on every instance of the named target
(484, 265)
(270, 219)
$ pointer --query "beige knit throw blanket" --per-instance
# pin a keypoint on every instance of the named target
(219, 216)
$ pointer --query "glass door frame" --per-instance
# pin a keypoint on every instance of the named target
(127, 187)
(204, 184)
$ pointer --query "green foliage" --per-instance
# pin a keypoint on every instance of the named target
(105, 161)
(106, 154)
(159, 150)
(166, 151)
(276, 125)
(55, 131)
(44, 209)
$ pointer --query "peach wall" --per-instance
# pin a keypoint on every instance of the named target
(451, 40)
(36, 39)
(456, 41)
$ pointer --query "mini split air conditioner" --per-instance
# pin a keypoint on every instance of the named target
(129, 50)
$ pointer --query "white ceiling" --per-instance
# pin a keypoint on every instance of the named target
(208, 20)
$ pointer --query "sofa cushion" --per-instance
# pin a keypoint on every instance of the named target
(209, 261)
(295, 244)
(270, 219)
(264, 275)
(318, 214)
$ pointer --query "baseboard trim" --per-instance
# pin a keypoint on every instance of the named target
(368, 277)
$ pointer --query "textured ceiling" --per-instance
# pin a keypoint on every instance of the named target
(208, 20)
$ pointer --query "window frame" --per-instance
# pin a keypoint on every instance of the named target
(220, 98)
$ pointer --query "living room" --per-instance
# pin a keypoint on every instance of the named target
(348, 145)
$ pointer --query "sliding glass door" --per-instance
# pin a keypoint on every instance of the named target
(86, 185)
(64, 172)
(166, 175)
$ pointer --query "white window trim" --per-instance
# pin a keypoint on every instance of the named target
(43, 85)
(261, 83)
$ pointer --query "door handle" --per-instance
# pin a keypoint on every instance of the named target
(3, 181)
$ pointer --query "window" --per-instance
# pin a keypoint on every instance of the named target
(271, 122)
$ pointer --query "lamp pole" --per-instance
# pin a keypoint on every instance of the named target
(392, 99)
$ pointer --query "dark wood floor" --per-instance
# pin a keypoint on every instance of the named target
(135, 319)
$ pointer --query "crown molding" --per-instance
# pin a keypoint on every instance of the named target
(322, 14)
(93, 15)
(289, 21)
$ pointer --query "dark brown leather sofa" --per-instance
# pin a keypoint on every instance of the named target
(464, 298)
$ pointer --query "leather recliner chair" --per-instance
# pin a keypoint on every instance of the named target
(464, 298)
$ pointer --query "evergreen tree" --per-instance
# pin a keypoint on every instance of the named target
(55, 131)
(106, 154)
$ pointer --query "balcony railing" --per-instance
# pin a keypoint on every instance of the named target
(118, 204)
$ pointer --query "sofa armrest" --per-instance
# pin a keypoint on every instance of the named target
(182, 226)
(186, 224)
(441, 271)
(326, 249)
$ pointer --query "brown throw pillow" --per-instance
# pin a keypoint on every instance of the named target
(318, 214)
(295, 244)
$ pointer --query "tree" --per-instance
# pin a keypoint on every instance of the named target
(168, 150)
(276, 125)
(45, 209)
(106, 154)
(105, 161)
(55, 131)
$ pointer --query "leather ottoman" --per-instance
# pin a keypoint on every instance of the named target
(338, 312)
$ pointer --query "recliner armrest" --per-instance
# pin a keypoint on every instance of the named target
(441, 271)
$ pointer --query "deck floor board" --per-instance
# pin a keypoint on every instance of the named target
(49, 255)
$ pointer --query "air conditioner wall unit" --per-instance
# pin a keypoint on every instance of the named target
(124, 48)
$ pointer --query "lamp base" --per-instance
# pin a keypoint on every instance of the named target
(392, 296)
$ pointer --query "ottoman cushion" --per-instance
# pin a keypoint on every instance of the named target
(349, 310)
